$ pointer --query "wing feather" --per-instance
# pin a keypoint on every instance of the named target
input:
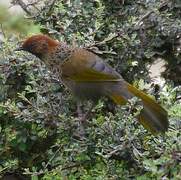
(85, 66)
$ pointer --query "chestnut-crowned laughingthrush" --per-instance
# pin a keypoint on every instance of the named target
(87, 76)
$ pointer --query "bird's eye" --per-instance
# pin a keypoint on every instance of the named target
(32, 46)
(44, 46)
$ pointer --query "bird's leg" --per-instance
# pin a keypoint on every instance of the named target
(79, 110)
(87, 114)
(82, 120)
(83, 116)
(80, 132)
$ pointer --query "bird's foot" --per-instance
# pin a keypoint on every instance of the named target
(82, 122)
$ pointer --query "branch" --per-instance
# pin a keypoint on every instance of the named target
(149, 13)
(144, 17)
(51, 5)
(22, 5)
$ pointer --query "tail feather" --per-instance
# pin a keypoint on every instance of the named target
(153, 117)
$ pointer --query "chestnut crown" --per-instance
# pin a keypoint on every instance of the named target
(38, 45)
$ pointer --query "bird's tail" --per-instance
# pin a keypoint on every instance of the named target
(153, 117)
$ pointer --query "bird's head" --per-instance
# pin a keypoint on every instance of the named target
(38, 45)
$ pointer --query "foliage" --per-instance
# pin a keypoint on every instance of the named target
(38, 120)
(16, 24)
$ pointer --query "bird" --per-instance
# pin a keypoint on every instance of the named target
(89, 77)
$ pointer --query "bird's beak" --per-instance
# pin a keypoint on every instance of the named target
(20, 48)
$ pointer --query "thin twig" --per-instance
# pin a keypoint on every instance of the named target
(48, 171)
(2, 30)
(53, 157)
(117, 148)
(71, 166)
(29, 102)
(102, 42)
